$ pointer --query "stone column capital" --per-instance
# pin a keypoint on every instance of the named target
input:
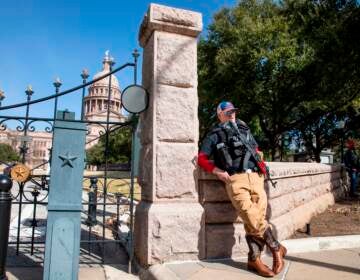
(168, 19)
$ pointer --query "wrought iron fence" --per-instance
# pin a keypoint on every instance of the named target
(105, 207)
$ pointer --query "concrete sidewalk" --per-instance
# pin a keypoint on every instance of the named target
(331, 265)
(331, 258)
(96, 272)
(341, 264)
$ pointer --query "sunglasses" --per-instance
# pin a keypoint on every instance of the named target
(230, 112)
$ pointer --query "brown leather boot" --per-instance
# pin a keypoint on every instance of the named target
(278, 251)
(258, 266)
(278, 261)
(254, 262)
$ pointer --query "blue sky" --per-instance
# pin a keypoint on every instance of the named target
(41, 40)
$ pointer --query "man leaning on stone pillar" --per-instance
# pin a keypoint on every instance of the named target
(240, 171)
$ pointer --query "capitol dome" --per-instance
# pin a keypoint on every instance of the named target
(96, 102)
(101, 87)
(105, 81)
(106, 69)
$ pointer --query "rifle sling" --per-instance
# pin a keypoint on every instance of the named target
(245, 142)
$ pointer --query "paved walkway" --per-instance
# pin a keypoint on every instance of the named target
(98, 272)
(341, 264)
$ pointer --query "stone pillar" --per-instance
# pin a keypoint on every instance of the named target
(169, 222)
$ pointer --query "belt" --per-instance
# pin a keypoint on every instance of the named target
(242, 171)
(246, 171)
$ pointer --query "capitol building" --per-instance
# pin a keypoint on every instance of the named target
(95, 109)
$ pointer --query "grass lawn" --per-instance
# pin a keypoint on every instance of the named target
(116, 185)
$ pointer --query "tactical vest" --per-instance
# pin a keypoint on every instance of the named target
(231, 154)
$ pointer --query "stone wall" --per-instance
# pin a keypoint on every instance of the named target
(185, 214)
(302, 191)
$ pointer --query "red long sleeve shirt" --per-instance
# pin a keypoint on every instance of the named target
(205, 163)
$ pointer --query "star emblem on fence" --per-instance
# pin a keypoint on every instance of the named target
(67, 159)
(20, 173)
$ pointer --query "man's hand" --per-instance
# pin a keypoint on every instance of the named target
(222, 175)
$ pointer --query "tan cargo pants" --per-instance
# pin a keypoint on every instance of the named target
(247, 194)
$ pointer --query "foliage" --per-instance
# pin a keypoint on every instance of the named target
(119, 148)
(279, 62)
(7, 153)
(329, 27)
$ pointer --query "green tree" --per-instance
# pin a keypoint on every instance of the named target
(119, 148)
(7, 153)
(285, 64)
(330, 28)
(251, 57)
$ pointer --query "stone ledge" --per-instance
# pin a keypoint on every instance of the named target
(286, 224)
(215, 191)
(167, 19)
(283, 204)
(224, 212)
(291, 184)
(287, 169)
(291, 169)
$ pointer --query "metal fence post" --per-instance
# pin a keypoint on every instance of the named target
(64, 208)
(91, 220)
(5, 211)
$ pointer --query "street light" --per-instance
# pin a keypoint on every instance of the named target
(57, 83)
(29, 92)
(341, 125)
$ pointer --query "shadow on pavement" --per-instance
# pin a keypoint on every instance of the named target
(324, 264)
(30, 268)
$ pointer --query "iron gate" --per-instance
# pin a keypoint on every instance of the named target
(108, 196)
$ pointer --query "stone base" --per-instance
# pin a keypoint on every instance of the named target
(168, 231)
(225, 241)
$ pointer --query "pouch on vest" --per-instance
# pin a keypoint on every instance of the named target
(224, 156)
(238, 148)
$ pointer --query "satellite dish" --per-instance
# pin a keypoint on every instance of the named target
(135, 99)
